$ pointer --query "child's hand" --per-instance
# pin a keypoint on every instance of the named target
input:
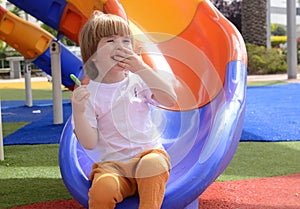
(129, 60)
(79, 98)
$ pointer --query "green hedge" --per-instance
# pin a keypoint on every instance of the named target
(265, 61)
(277, 40)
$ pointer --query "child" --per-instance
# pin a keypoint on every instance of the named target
(112, 114)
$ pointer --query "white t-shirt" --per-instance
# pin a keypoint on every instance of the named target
(122, 115)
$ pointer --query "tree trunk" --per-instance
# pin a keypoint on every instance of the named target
(254, 21)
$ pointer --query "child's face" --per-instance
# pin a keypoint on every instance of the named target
(106, 49)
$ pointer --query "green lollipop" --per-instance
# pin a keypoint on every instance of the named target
(75, 79)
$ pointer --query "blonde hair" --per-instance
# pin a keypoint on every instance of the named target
(98, 26)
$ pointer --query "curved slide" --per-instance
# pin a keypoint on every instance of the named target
(34, 44)
(196, 45)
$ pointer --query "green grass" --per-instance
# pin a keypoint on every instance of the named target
(263, 159)
(37, 94)
(9, 128)
(30, 174)
(265, 83)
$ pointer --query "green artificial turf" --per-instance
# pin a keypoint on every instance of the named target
(265, 83)
(37, 94)
(30, 174)
(263, 159)
(9, 128)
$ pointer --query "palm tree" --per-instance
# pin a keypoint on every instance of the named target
(254, 21)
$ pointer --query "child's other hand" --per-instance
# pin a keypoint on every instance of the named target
(129, 60)
(79, 97)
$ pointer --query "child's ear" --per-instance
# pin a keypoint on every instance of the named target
(137, 47)
(90, 69)
(139, 51)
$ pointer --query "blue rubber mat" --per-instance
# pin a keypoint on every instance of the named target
(272, 113)
(40, 129)
(17, 111)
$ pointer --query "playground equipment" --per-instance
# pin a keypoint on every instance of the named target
(1, 136)
(34, 44)
(202, 50)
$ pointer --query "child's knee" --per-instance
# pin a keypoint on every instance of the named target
(105, 190)
(152, 164)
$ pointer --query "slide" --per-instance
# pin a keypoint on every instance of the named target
(34, 44)
(189, 40)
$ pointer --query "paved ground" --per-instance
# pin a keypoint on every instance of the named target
(273, 77)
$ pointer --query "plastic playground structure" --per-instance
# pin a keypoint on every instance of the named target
(190, 40)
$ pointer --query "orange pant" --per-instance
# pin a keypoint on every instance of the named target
(146, 174)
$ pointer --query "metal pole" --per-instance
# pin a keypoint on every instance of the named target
(27, 75)
(28, 90)
(268, 24)
(292, 39)
(56, 82)
(1, 136)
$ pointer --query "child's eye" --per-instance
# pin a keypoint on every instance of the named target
(110, 41)
(126, 41)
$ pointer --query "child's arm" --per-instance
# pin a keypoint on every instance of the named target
(163, 91)
(86, 135)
